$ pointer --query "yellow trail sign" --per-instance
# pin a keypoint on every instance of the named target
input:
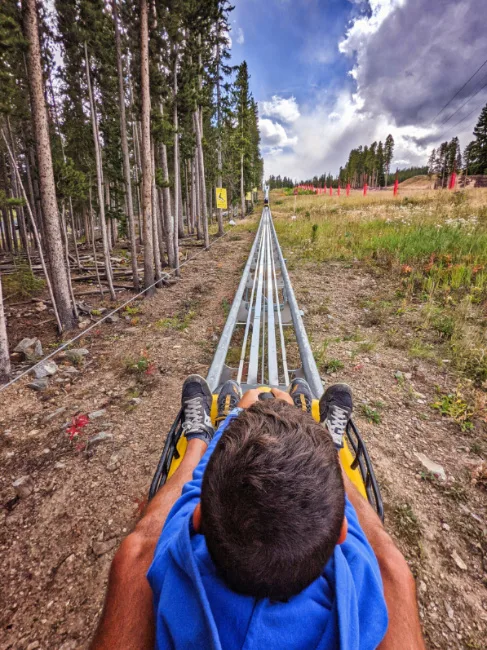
(221, 198)
(248, 196)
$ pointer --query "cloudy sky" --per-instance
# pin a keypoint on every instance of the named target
(330, 75)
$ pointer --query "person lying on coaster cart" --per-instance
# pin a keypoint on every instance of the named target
(259, 540)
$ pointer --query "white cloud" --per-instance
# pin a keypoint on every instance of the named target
(240, 36)
(284, 110)
(403, 73)
(321, 139)
(274, 135)
(364, 27)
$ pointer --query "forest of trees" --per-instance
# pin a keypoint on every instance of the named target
(447, 158)
(278, 182)
(118, 119)
(368, 164)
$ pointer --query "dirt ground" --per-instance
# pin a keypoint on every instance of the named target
(56, 544)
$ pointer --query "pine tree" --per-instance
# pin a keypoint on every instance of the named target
(480, 133)
(388, 155)
(469, 155)
(54, 243)
(146, 149)
(381, 181)
(432, 163)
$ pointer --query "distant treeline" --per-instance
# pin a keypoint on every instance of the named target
(448, 158)
(278, 182)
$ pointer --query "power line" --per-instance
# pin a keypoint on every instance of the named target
(458, 92)
(467, 116)
(464, 103)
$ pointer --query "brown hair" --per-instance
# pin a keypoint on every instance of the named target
(272, 501)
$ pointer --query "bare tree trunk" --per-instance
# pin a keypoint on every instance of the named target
(86, 225)
(99, 181)
(155, 223)
(168, 216)
(38, 241)
(146, 155)
(198, 127)
(188, 216)
(177, 178)
(197, 195)
(93, 240)
(125, 149)
(137, 166)
(180, 202)
(4, 355)
(53, 240)
(219, 126)
(66, 245)
(242, 189)
(75, 239)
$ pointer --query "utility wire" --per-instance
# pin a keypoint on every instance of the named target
(98, 322)
(467, 116)
(458, 92)
(464, 103)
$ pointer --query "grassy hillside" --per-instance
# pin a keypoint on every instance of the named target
(434, 246)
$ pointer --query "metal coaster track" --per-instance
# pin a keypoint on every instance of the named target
(264, 306)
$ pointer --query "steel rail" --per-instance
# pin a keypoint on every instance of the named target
(216, 368)
(266, 262)
(279, 319)
(248, 321)
(310, 369)
(271, 330)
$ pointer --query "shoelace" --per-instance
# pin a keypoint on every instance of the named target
(194, 414)
(337, 420)
(227, 407)
(297, 401)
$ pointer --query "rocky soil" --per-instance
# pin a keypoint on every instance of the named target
(78, 455)
(437, 515)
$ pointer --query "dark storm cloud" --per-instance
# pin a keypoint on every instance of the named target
(421, 54)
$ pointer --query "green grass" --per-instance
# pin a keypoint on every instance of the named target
(454, 405)
(179, 322)
(370, 414)
(432, 244)
(333, 365)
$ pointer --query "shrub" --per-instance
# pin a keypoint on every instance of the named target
(22, 283)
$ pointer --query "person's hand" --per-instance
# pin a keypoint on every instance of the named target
(249, 398)
(282, 395)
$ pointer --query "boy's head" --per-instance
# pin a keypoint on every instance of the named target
(272, 501)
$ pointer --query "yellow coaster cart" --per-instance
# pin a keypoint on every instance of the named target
(264, 306)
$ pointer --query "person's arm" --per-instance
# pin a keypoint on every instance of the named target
(127, 621)
(404, 629)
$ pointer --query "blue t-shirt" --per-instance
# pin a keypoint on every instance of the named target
(343, 609)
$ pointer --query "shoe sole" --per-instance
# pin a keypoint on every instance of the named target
(204, 385)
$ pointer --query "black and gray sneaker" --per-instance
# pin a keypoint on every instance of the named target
(336, 408)
(228, 399)
(196, 404)
(301, 394)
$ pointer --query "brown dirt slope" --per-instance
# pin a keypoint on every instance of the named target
(56, 544)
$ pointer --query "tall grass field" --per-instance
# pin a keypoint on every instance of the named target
(431, 244)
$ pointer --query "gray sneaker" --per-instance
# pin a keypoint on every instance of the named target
(229, 397)
(336, 408)
(196, 404)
